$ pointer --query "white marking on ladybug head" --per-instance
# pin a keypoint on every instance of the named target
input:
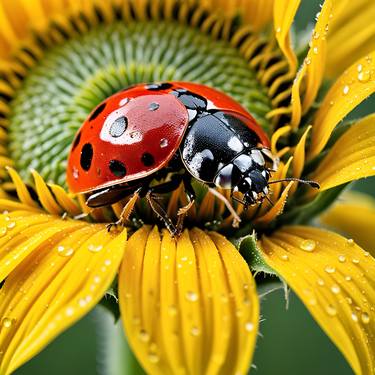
(235, 144)
(192, 114)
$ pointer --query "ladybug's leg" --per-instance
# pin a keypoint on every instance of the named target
(190, 195)
(161, 214)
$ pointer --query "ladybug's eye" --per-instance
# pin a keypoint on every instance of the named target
(118, 127)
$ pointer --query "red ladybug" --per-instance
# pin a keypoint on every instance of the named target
(148, 131)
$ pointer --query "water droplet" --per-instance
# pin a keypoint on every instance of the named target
(154, 106)
(350, 241)
(11, 225)
(330, 269)
(342, 258)
(315, 50)
(354, 317)
(364, 76)
(3, 231)
(331, 310)
(308, 245)
(195, 331)
(349, 300)
(163, 142)
(345, 90)
(249, 326)
(97, 279)
(192, 296)
(7, 322)
(65, 252)
(331, 103)
(153, 356)
(335, 289)
(355, 261)
(95, 249)
(284, 257)
(320, 282)
(124, 101)
(75, 173)
(278, 29)
(107, 262)
(316, 35)
(359, 68)
(365, 317)
(307, 61)
(348, 278)
(143, 336)
(69, 311)
(136, 135)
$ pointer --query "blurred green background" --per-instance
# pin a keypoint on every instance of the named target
(290, 342)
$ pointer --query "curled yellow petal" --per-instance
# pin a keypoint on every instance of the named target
(354, 85)
(351, 35)
(67, 274)
(188, 305)
(336, 281)
(283, 16)
(354, 216)
(351, 158)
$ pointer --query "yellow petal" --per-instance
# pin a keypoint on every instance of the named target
(283, 16)
(312, 70)
(351, 35)
(359, 224)
(335, 279)
(351, 158)
(66, 274)
(257, 13)
(188, 305)
(354, 85)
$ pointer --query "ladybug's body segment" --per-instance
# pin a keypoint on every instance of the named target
(148, 131)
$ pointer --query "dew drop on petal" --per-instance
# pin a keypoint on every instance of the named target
(354, 317)
(143, 335)
(359, 68)
(350, 241)
(315, 50)
(249, 326)
(95, 249)
(11, 225)
(278, 29)
(365, 317)
(308, 245)
(348, 278)
(342, 258)
(284, 257)
(7, 322)
(331, 310)
(192, 296)
(307, 61)
(335, 289)
(320, 282)
(355, 261)
(330, 269)
(65, 252)
(345, 90)
(3, 231)
(195, 331)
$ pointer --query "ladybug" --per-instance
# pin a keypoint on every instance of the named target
(185, 130)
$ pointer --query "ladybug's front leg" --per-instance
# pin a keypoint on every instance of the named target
(127, 210)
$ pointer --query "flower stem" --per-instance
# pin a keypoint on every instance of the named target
(114, 354)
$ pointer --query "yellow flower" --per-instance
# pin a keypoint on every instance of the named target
(189, 305)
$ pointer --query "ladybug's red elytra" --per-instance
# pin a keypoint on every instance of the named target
(148, 131)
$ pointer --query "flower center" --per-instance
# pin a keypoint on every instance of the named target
(69, 69)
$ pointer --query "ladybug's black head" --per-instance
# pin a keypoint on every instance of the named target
(254, 186)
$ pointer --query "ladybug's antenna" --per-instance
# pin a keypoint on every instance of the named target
(313, 184)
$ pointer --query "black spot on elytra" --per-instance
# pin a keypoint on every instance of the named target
(147, 159)
(158, 86)
(76, 140)
(97, 111)
(117, 168)
(118, 127)
(86, 156)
